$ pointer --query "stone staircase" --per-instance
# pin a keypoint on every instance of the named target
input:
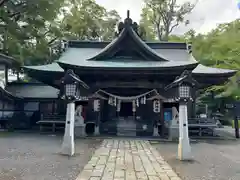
(126, 127)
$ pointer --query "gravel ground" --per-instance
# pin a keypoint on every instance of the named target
(36, 157)
(213, 160)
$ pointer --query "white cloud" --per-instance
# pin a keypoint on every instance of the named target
(206, 15)
(209, 13)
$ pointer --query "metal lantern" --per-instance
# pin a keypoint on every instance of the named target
(70, 88)
(184, 91)
(182, 86)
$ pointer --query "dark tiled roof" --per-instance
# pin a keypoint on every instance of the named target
(201, 69)
(4, 59)
(8, 95)
(128, 34)
(103, 44)
(49, 67)
(33, 90)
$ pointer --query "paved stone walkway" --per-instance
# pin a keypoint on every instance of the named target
(127, 160)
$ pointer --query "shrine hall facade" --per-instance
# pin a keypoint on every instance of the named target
(127, 75)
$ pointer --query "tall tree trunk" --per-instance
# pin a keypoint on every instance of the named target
(165, 36)
(159, 32)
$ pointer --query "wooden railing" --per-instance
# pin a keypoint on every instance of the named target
(52, 117)
(54, 121)
(201, 126)
(16, 119)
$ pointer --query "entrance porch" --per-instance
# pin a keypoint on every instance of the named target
(136, 115)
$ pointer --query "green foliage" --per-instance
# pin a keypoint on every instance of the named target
(221, 48)
(32, 31)
(147, 25)
(162, 16)
(88, 20)
(28, 28)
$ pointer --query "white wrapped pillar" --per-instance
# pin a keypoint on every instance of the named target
(184, 148)
(68, 139)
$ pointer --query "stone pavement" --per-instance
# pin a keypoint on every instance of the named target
(127, 160)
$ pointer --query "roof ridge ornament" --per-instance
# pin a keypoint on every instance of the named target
(127, 23)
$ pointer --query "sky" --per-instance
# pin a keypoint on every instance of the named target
(206, 15)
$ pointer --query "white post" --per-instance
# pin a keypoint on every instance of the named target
(184, 148)
(68, 139)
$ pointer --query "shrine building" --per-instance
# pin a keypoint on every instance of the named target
(126, 76)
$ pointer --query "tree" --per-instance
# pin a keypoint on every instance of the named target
(165, 15)
(88, 20)
(33, 31)
(146, 25)
(29, 28)
(221, 48)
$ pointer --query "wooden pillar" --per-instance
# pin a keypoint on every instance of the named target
(6, 75)
(193, 105)
(162, 119)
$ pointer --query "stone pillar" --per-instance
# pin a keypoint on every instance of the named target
(68, 139)
(184, 148)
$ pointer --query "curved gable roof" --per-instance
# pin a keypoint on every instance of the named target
(128, 34)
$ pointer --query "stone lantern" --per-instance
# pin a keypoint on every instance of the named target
(70, 92)
(182, 88)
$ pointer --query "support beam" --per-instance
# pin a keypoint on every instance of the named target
(127, 84)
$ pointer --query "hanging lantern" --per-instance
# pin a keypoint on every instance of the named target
(133, 106)
(118, 105)
(137, 102)
(156, 106)
(143, 100)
